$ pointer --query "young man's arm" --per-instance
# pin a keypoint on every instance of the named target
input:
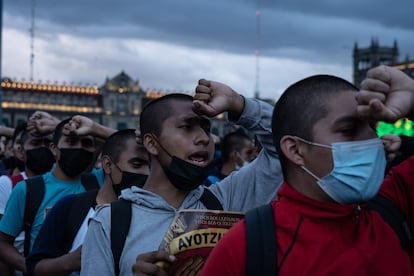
(9, 254)
(258, 182)
(6, 131)
(388, 94)
(81, 125)
(42, 123)
(61, 265)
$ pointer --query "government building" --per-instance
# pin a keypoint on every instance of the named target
(116, 104)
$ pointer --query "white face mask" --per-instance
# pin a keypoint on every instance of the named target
(237, 166)
(358, 170)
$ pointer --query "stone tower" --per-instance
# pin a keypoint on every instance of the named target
(374, 55)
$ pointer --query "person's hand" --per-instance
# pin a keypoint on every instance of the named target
(79, 126)
(151, 263)
(212, 98)
(392, 144)
(387, 94)
(75, 259)
(41, 123)
(191, 266)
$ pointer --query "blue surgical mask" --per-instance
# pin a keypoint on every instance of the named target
(358, 170)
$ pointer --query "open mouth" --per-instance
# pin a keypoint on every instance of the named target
(199, 158)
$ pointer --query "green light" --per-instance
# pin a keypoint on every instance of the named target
(401, 127)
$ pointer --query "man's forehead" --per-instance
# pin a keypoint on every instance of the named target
(342, 108)
(76, 137)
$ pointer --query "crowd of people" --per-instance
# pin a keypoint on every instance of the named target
(306, 172)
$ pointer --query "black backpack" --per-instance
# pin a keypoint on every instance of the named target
(121, 213)
(35, 192)
(261, 234)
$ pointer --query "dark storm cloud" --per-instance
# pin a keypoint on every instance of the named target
(296, 38)
(230, 25)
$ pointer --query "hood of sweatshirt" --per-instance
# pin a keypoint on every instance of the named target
(152, 200)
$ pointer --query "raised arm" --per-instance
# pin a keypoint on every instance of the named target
(256, 183)
(82, 125)
(387, 94)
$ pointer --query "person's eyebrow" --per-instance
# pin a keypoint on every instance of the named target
(346, 119)
(138, 159)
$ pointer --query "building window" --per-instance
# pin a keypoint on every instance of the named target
(121, 126)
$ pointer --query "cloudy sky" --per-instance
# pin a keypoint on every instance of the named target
(170, 44)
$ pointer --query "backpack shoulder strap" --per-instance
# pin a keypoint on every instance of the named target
(121, 213)
(89, 181)
(210, 200)
(78, 211)
(392, 214)
(35, 191)
(261, 241)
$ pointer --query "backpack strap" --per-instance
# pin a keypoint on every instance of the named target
(89, 181)
(77, 213)
(392, 214)
(35, 191)
(121, 213)
(261, 241)
(210, 200)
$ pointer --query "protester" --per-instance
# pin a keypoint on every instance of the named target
(237, 150)
(57, 250)
(74, 154)
(6, 135)
(30, 147)
(177, 136)
(332, 164)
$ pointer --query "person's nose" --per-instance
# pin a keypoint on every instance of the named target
(202, 136)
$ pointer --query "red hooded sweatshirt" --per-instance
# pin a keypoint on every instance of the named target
(331, 239)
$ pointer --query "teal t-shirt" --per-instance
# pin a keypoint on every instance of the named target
(12, 221)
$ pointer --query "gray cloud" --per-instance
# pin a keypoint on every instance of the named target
(320, 32)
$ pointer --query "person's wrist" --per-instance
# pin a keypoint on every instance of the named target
(237, 107)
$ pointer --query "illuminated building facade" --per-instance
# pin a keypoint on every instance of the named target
(116, 104)
(20, 99)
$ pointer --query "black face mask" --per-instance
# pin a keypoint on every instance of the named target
(73, 162)
(128, 180)
(39, 160)
(10, 162)
(184, 175)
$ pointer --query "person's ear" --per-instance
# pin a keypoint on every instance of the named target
(53, 149)
(106, 164)
(292, 149)
(151, 144)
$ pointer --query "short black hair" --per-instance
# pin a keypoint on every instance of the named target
(58, 130)
(157, 111)
(19, 129)
(232, 141)
(115, 144)
(302, 105)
